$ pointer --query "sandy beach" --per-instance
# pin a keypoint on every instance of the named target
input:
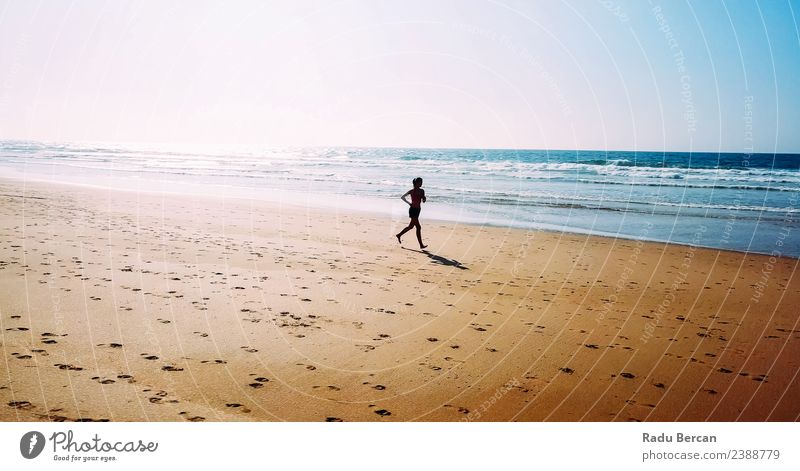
(130, 306)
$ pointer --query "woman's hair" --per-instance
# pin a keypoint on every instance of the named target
(417, 182)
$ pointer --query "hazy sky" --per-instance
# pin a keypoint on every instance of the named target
(646, 75)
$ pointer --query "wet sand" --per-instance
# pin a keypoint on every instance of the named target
(149, 307)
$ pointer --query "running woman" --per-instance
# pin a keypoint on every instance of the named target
(415, 206)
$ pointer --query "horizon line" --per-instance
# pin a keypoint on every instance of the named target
(319, 146)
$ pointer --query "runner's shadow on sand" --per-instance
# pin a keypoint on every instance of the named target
(449, 262)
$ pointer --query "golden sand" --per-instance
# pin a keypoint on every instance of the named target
(130, 307)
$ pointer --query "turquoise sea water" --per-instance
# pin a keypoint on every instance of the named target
(743, 202)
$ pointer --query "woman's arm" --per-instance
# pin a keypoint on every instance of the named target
(424, 199)
(404, 198)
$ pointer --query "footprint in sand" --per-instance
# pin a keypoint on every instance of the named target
(22, 405)
(62, 366)
(149, 357)
(195, 418)
(383, 412)
(159, 397)
(567, 370)
(259, 382)
(249, 350)
(627, 375)
(171, 368)
(333, 419)
(53, 417)
(239, 406)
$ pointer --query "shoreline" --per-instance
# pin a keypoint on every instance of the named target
(383, 214)
(139, 307)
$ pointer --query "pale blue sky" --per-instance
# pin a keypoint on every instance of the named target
(514, 74)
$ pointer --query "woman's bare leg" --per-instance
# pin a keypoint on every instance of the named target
(419, 234)
(410, 225)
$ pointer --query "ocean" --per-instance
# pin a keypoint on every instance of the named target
(741, 202)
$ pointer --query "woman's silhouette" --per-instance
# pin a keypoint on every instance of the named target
(415, 206)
